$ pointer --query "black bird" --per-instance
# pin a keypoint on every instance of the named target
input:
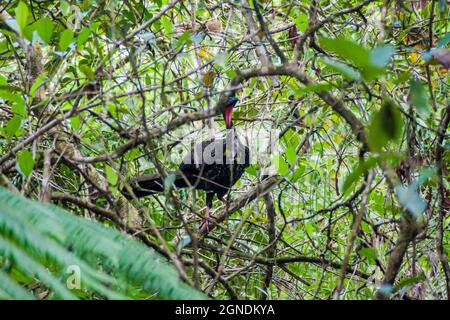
(213, 165)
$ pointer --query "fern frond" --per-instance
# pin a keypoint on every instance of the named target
(41, 237)
(12, 290)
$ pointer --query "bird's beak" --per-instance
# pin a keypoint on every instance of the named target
(229, 111)
(228, 116)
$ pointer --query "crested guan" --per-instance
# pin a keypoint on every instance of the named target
(213, 165)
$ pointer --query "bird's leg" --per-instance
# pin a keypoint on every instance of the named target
(206, 219)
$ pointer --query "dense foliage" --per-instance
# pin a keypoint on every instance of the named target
(94, 93)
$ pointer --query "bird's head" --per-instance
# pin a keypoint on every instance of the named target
(227, 115)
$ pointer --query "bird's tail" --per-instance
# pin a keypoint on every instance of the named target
(149, 184)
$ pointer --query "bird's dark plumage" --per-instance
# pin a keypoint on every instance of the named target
(213, 165)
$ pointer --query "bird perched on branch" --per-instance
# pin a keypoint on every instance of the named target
(213, 165)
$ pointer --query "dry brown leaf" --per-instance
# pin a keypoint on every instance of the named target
(293, 34)
(214, 26)
(261, 34)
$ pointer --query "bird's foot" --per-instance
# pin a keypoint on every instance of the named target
(225, 202)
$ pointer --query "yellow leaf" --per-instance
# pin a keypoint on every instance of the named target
(204, 53)
(389, 85)
(414, 57)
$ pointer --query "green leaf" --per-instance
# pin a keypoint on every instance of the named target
(401, 78)
(352, 177)
(26, 162)
(75, 122)
(347, 71)
(310, 88)
(21, 16)
(409, 199)
(8, 88)
(386, 126)
(291, 155)
(65, 39)
(169, 181)
(132, 154)
(83, 36)
(299, 172)
(44, 28)
(111, 175)
(348, 50)
(369, 253)
(65, 7)
(358, 171)
(185, 241)
(184, 38)
(381, 55)
(13, 126)
(18, 106)
(419, 98)
(425, 174)
(252, 170)
(4, 44)
(371, 63)
(443, 41)
(19, 109)
(281, 165)
(409, 281)
(315, 88)
(37, 83)
(167, 25)
(310, 228)
(301, 22)
(88, 72)
(292, 137)
(231, 73)
(94, 26)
